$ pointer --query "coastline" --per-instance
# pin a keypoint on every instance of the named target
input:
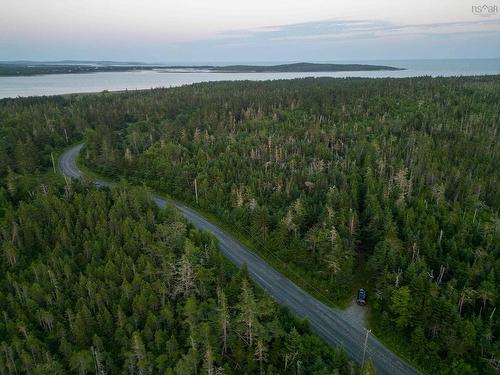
(57, 84)
(26, 70)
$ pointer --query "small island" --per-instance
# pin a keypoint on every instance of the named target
(299, 68)
(26, 68)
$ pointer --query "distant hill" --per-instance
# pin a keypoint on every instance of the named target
(27, 68)
(302, 67)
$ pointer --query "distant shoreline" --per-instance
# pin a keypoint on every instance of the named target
(146, 89)
(31, 69)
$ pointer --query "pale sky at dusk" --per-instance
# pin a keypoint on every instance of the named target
(257, 30)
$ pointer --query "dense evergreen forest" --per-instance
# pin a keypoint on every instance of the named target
(391, 181)
(105, 282)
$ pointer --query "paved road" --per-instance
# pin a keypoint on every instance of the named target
(329, 323)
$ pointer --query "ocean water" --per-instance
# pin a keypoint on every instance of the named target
(54, 84)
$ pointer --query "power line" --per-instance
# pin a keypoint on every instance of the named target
(257, 241)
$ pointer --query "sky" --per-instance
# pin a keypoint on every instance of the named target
(194, 31)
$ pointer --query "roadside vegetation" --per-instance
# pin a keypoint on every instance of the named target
(396, 179)
(104, 282)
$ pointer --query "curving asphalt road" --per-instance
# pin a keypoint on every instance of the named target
(331, 324)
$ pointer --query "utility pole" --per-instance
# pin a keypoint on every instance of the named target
(196, 190)
(365, 346)
(53, 163)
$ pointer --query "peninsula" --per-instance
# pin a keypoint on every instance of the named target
(27, 68)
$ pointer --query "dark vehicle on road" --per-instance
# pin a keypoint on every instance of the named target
(362, 297)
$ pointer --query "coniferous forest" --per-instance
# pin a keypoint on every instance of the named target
(104, 282)
(390, 184)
